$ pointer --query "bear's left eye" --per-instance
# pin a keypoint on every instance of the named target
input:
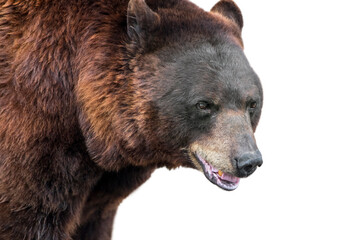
(252, 107)
(253, 104)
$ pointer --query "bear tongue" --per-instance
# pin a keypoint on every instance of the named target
(222, 175)
(229, 178)
(218, 177)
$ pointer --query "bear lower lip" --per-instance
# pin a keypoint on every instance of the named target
(222, 180)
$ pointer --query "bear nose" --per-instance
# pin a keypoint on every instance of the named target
(248, 162)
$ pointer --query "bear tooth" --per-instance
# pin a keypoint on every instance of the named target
(220, 173)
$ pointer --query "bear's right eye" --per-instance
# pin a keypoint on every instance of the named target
(203, 105)
(205, 108)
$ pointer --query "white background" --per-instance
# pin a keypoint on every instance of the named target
(307, 54)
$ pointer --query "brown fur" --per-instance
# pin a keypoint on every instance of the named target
(77, 131)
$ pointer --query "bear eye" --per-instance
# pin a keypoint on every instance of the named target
(203, 105)
(253, 105)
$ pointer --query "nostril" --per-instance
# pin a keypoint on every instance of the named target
(248, 168)
(247, 163)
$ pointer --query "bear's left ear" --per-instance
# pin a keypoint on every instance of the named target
(230, 10)
(141, 20)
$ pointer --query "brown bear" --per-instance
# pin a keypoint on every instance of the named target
(97, 94)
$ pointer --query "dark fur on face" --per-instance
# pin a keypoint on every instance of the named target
(95, 95)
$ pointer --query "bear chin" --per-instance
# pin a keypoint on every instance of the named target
(221, 179)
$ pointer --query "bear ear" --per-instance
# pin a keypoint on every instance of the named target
(141, 20)
(230, 10)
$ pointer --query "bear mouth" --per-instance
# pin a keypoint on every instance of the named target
(221, 179)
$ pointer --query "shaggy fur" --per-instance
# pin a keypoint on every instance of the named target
(80, 128)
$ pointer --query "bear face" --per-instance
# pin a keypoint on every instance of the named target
(176, 90)
(205, 98)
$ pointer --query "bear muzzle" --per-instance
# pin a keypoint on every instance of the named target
(247, 163)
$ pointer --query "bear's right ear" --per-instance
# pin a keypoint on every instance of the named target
(230, 10)
(141, 20)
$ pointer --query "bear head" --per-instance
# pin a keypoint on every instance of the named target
(205, 96)
(189, 96)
